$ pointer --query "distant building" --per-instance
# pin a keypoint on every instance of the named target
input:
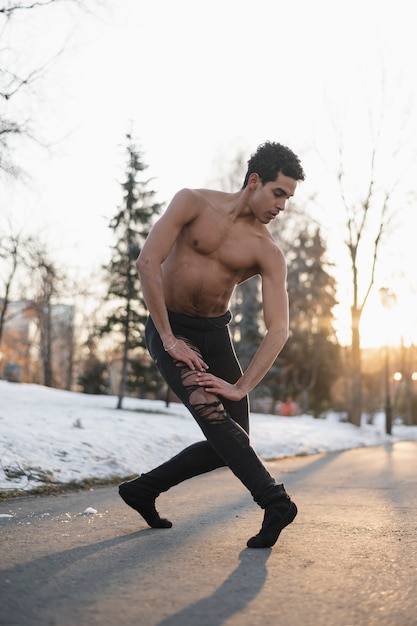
(38, 343)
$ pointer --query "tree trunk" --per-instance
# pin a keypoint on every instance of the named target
(124, 362)
(356, 402)
(45, 326)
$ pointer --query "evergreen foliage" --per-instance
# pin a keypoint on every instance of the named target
(130, 226)
(247, 308)
(312, 355)
(310, 361)
(247, 328)
(93, 379)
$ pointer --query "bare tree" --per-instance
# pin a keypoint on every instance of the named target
(54, 320)
(12, 7)
(369, 210)
(17, 82)
(42, 305)
(10, 254)
(358, 219)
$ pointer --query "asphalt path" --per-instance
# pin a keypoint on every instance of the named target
(349, 558)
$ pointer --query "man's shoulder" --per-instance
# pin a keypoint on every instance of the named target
(198, 200)
(202, 195)
(271, 252)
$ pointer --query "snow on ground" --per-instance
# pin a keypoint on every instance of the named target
(50, 435)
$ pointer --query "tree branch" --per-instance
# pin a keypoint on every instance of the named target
(19, 6)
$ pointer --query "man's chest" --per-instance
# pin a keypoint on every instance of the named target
(229, 244)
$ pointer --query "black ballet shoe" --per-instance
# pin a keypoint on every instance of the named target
(277, 516)
(138, 494)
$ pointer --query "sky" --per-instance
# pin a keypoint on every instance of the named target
(196, 83)
(62, 436)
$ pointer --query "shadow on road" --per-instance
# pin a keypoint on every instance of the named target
(233, 595)
(27, 589)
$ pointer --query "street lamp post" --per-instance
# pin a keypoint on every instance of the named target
(388, 300)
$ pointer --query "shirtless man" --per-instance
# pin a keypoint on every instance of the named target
(205, 244)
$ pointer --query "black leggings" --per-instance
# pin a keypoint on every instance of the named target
(225, 424)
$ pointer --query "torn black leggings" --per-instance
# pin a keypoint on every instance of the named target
(225, 424)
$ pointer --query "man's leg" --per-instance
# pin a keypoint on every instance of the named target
(142, 492)
(228, 444)
(199, 458)
(231, 443)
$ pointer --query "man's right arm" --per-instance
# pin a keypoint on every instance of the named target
(181, 211)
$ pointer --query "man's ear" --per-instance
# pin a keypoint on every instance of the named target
(253, 180)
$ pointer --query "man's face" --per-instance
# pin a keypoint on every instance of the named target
(270, 199)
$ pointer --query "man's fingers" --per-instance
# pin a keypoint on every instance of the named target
(187, 355)
(198, 363)
(207, 379)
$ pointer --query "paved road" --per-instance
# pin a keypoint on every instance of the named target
(349, 559)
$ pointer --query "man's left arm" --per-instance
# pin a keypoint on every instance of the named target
(276, 317)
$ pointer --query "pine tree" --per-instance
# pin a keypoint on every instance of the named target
(311, 355)
(130, 225)
(247, 309)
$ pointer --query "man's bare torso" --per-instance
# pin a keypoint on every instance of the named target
(213, 253)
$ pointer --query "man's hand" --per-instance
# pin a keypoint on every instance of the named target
(183, 353)
(219, 387)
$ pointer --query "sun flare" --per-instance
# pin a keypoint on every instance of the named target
(379, 325)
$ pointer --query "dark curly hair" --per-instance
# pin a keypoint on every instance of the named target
(271, 158)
